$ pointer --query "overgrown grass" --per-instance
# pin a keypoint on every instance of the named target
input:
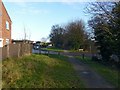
(111, 75)
(39, 71)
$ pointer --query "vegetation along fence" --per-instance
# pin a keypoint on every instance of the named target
(15, 50)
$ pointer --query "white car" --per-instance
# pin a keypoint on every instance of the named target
(36, 47)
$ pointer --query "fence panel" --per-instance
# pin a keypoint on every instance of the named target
(15, 50)
(4, 52)
(0, 53)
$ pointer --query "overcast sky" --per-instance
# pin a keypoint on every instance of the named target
(38, 17)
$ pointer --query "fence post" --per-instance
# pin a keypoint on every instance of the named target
(28, 49)
(19, 50)
(39, 50)
(58, 53)
(8, 51)
(0, 53)
(48, 52)
(83, 55)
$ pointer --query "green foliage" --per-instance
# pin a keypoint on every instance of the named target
(57, 36)
(39, 71)
(115, 28)
(101, 36)
(106, 26)
(71, 36)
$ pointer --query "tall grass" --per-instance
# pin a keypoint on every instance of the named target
(39, 71)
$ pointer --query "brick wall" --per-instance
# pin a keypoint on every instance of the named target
(6, 34)
(0, 19)
(4, 52)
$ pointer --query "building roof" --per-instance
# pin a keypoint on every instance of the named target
(21, 40)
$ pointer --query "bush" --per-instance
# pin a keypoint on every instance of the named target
(97, 58)
(94, 58)
(114, 60)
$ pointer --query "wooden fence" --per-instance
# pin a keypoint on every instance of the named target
(15, 50)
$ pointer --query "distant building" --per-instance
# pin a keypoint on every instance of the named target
(5, 26)
(21, 41)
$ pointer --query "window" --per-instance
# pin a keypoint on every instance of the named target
(7, 41)
(7, 25)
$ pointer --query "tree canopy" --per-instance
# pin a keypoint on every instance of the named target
(106, 25)
(71, 36)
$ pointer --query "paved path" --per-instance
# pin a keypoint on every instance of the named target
(88, 76)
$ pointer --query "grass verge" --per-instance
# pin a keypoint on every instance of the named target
(111, 75)
(53, 49)
(39, 71)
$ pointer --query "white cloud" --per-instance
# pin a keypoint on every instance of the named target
(38, 11)
(32, 11)
(20, 3)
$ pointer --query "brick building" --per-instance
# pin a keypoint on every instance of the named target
(5, 26)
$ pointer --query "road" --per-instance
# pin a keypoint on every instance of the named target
(43, 52)
(62, 53)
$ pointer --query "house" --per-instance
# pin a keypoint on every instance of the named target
(5, 26)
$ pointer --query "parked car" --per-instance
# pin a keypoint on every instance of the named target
(36, 47)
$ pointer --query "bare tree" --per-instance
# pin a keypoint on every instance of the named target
(25, 35)
(105, 23)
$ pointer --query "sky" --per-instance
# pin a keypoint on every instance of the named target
(37, 18)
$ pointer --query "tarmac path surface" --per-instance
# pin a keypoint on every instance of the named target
(90, 78)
